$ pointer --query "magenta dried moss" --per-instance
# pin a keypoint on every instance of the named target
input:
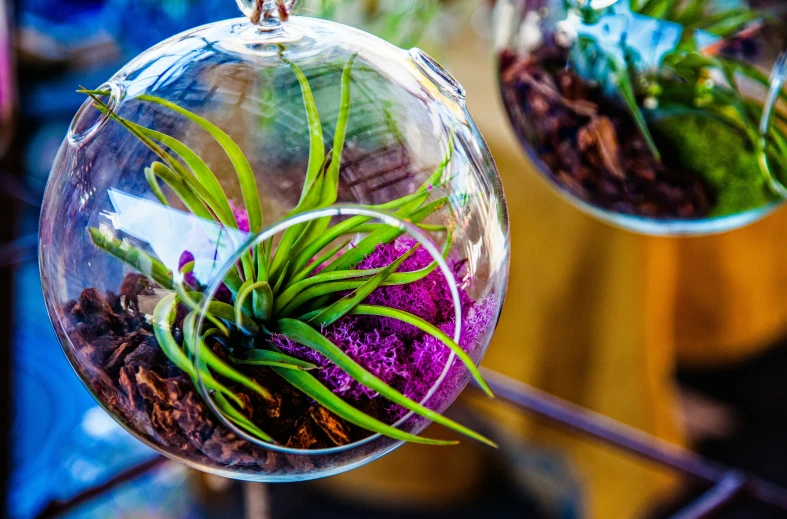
(400, 354)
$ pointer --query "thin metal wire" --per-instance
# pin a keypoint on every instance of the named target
(727, 483)
(714, 499)
(56, 508)
(628, 439)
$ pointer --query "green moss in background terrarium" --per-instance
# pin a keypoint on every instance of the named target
(715, 152)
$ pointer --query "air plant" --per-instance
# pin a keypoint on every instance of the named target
(294, 288)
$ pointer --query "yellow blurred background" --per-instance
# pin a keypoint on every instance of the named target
(595, 315)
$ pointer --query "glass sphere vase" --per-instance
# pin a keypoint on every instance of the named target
(659, 117)
(275, 251)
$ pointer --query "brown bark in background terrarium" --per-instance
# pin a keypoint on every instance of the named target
(275, 251)
(662, 117)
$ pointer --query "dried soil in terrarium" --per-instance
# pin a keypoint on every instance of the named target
(131, 374)
(589, 144)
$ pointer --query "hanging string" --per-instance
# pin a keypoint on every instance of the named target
(264, 10)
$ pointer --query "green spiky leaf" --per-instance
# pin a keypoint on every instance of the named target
(302, 333)
(211, 361)
(272, 358)
(344, 305)
(138, 259)
(315, 390)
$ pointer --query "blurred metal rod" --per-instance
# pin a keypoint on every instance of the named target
(625, 437)
(715, 498)
(727, 483)
(257, 498)
(56, 508)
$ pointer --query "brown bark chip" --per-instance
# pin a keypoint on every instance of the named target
(92, 309)
(334, 428)
(193, 418)
(599, 139)
(225, 447)
(304, 436)
(134, 379)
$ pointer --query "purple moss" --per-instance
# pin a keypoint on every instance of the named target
(241, 216)
(400, 354)
(430, 355)
(223, 293)
(189, 277)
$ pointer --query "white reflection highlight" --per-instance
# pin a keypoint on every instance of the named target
(169, 232)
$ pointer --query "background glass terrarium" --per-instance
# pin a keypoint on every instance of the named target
(635, 109)
(227, 91)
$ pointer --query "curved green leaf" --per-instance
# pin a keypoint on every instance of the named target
(371, 227)
(404, 205)
(385, 234)
(262, 301)
(330, 282)
(316, 143)
(192, 305)
(273, 358)
(260, 304)
(296, 288)
(295, 234)
(155, 187)
(304, 334)
(138, 259)
(330, 287)
(193, 202)
(163, 320)
(201, 171)
(248, 183)
(213, 362)
(331, 185)
(315, 390)
(311, 267)
(341, 307)
(240, 420)
(226, 313)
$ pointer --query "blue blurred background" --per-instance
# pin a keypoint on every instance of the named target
(61, 444)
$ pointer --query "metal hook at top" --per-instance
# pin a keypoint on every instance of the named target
(266, 10)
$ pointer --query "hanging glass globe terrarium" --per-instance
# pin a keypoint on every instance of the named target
(275, 247)
(660, 117)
